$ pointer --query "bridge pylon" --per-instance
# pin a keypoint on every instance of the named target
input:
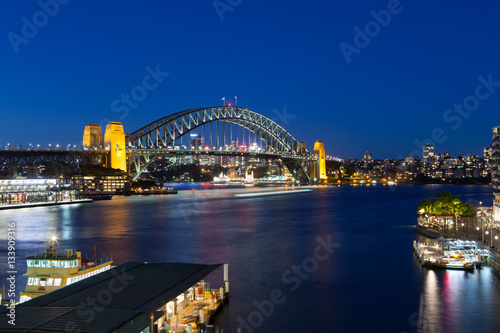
(114, 144)
(318, 169)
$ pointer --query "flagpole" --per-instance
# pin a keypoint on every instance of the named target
(224, 99)
(235, 100)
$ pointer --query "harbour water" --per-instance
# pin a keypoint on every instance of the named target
(335, 259)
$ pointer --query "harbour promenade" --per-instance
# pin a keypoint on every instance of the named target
(485, 234)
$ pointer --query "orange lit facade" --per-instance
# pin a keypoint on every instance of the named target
(114, 142)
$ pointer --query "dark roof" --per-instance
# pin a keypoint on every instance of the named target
(120, 299)
(74, 319)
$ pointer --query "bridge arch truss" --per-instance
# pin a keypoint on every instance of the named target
(153, 140)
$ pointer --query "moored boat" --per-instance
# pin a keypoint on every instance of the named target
(452, 263)
(53, 270)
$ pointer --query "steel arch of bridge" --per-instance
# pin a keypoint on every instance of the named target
(145, 144)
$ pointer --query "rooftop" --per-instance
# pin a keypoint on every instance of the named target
(120, 299)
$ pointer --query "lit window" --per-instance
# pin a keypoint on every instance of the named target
(30, 264)
(46, 263)
(57, 282)
(30, 281)
(75, 263)
(36, 281)
(42, 282)
(56, 263)
(65, 264)
(69, 281)
(49, 282)
(37, 263)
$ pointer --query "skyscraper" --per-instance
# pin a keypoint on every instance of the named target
(196, 141)
(367, 157)
(428, 152)
(495, 172)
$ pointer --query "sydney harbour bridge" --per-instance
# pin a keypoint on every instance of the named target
(213, 131)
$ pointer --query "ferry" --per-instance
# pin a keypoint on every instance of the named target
(452, 263)
(53, 270)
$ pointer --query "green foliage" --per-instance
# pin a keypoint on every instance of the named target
(143, 184)
(98, 170)
(260, 172)
(446, 204)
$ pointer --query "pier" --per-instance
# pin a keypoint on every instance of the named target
(43, 204)
(454, 252)
(133, 297)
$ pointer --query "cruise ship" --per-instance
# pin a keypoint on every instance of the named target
(53, 270)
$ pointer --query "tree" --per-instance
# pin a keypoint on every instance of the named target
(446, 204)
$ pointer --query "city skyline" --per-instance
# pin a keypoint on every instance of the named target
(384, 76)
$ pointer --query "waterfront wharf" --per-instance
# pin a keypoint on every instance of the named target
(466, 251)
(43, 204)
(195, 315)
(130, 298)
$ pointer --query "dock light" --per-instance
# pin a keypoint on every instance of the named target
(496, 237)
(463, 224)
(477, 228)
(487, 232)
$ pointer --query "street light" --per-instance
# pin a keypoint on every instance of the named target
(492, 245)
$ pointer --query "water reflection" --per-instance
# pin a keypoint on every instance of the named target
(458, 301)
(371, 283)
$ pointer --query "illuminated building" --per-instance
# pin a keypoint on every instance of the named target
(428, 152)
(92, 137)
(367, 157)
(22, 191)
(106, 183)
(495, 172)
(196, 141)
(114, 142)
(319, 151)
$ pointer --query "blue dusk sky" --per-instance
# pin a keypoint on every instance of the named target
(378, 76)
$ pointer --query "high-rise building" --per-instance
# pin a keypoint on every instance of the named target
(495, 172)
(92, 137)
(487, 153)
(367, 157)
(428, 151)
(195, 141)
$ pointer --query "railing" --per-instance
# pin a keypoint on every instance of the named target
(478, 229)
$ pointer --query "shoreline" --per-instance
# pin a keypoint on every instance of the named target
(494, 257)
(43, 204)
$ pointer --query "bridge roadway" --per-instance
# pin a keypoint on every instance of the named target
(32, 157)
(296, 163)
